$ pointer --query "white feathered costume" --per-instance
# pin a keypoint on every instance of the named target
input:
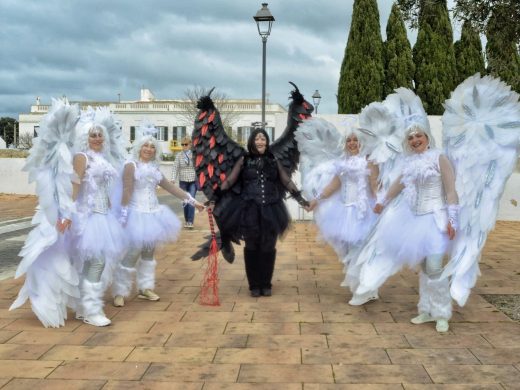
(481, 136)
(344, 217)
(146, 222)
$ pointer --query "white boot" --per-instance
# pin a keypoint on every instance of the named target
(122, 284)
(361, 299)
(92, 302)
(422, 318)
(146, 280)
(440, 300)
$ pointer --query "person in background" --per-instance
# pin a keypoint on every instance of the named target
(184, 172)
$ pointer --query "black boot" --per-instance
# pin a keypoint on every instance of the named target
(227, 250)
(267, 263)
(252, 271)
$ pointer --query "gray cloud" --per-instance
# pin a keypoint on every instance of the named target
(95, 49)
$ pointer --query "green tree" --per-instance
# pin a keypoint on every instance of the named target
(468, 53)
(362, 71)
(399, 65)
(434, 56)
(478, 12)
(7, 128)
(502, 53)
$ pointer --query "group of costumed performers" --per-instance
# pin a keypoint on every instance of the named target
(74, 252)
(383, 197)
(246, 188)
(434, 205)
(146, 222)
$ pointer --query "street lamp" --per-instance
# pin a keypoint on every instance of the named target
(264, 21)
(316, 99)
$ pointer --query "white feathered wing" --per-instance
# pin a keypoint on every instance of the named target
(320, 144)
(481, 129)
(51, 282)
(384, 139)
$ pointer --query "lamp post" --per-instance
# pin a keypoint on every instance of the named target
(264, 21)
(316, 99)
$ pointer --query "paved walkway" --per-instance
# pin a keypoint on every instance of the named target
(304, 337)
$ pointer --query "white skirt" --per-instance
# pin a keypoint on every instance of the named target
(400, 238)
(339, 223)
(146, 230)
(97, 236)
(409, 238)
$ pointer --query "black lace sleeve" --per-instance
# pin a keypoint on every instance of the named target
(290, 186)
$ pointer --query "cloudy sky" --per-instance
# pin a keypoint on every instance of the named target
(95, 49)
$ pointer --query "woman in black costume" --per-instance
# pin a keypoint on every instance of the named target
(262, 215)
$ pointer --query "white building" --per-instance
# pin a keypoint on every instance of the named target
(172, 116)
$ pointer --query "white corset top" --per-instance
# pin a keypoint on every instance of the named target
(353, 174)
(423, 187)
(349, 190)
(94, 194)
(430, 195)
(144, 197)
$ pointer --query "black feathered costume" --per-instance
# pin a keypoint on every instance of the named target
(248, 188)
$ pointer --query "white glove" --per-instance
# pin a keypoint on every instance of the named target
(453, 216)
(123, 216)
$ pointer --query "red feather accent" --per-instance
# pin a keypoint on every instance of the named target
(222, 177)
(198, 160)
(305, 105)
(209, 288)
(210, 170)
(204, 129)
(212, 142)
(211, 117)
(195, 141)
(202, 179)
(220, 158)
(202, 115)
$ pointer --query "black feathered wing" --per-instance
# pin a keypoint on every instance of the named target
(215, 153)
(285, 148)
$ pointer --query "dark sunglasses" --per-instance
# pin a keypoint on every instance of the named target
(184, 144)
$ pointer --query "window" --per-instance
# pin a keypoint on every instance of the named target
(270, 133)
(132, 133)
(162, 133)
(243, 134)
(178, 132)
(244, 131)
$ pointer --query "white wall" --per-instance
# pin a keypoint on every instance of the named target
(14, 180)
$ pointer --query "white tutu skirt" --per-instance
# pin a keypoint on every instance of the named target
(146, 230)
(399, 239)
(409, 238)
(98, 236)
(339, 223)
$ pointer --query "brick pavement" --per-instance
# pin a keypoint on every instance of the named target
(16, 206)
(304, 337)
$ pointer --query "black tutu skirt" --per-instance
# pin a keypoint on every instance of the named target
(249, 220)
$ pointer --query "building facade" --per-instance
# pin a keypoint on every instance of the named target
(172, 117)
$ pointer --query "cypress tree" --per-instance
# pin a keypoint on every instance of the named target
(399, 66)
(362, 73)
(434, 57)
(502, 53)
(468, 53)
